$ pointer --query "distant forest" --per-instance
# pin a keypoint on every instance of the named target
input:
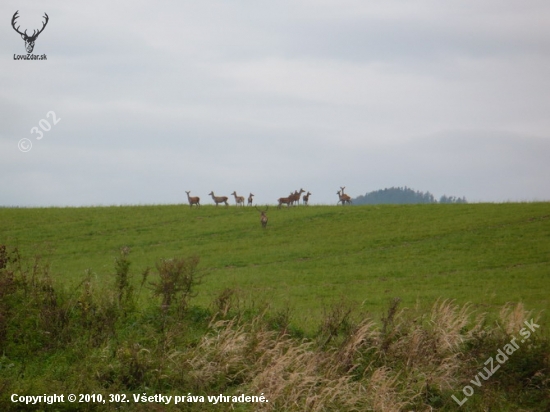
(403, 195)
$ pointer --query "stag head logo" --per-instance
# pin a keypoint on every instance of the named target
(29, 40)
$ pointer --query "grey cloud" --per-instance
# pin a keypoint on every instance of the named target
(160, 98)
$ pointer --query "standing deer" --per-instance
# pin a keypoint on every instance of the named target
(295, 197)
(239, 200)
(346, 197)
(218, 199)
(285, 200)
(29, 40)
(306, 198)
(250, 199)
(193, 200)
(263, 216)
(343, 198)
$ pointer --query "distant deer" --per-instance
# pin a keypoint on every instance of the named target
(343, 198)
(286, 200)
(218, 199)
(346, 197)
(306, 198)
(193, 200)
(239, 200)
(250, 199)
(263, 216)
(295, 197)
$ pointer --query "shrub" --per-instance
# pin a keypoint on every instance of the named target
(177, 280)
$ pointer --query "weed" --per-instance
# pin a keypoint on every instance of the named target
(122, 278)
(224, 302)
(387, 323)
(177, 280)
(336, 321)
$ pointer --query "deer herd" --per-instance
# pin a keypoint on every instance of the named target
(292, 199)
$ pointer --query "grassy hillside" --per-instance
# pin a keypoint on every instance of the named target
(310, 257)
(335, 338)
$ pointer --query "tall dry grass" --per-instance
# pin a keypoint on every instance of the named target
(293, 374)
(386, 368)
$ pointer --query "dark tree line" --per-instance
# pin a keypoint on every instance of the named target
(403, 195)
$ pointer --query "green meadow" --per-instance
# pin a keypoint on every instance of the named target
(381, 308)
(308, 258)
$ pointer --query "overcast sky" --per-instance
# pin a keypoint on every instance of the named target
(156, 98)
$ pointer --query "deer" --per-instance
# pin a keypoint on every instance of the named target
(285, 200)
(218, 199)
(250, 199)
(347, 198)
(263, 216)
(193, 200)
(239, 200)
(295, 197)
(29, 40)
(343, 198)
(306, 198)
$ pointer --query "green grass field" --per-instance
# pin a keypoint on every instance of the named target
(329, 339)
(309, 257)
